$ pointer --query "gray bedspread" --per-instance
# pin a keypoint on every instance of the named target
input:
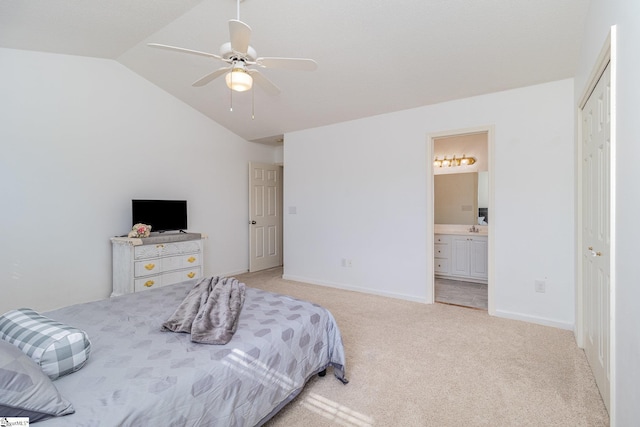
(210, 311)
(140, 376)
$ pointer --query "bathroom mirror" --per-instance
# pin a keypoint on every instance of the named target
(461, 198)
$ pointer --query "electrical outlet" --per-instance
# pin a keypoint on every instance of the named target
(540, 285)
(346, 262)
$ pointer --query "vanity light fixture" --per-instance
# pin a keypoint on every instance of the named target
(464, 161)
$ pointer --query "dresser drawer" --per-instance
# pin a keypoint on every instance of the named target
(148, 267)
(181, 276)
(181, 261)
(441, 251)
(442, 239)
(147, 251)
(170, 249)
(155, 281)
(167, 264)
(441, 266)
(146, 283)
(167, 249)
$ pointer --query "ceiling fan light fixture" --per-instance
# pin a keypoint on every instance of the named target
(239, 80)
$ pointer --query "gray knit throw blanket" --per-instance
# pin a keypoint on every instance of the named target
(210, 311)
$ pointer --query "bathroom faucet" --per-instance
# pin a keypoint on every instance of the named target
(473, 229)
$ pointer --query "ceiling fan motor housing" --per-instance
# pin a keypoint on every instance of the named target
(228, 53)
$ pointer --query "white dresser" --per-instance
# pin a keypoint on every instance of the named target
(141, 264)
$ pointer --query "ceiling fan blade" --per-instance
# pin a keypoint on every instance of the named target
(301, 64)
(264, 82)
(240, 34)
(211, 76)
(183, 50)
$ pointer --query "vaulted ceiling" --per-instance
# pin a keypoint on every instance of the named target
(373, 56)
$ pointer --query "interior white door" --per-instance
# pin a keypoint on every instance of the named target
(265, 216)
(596, 149)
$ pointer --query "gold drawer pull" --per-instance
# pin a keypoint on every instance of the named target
(191, 259)
(150, 266)
(191, 275)
(159, 246)
(149, 283)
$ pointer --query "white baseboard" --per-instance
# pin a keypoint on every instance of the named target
(233, 273)
(227, 274)
(499, 313)
(347, 287)
(534, 319)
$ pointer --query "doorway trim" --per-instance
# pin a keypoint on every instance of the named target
(490, 131)
(607, 56)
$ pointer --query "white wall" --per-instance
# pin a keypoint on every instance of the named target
(359, 189)
(625, 410)
(81, 137)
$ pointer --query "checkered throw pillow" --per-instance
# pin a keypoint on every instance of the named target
(58, 349)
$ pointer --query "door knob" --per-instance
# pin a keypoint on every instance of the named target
(252, 223)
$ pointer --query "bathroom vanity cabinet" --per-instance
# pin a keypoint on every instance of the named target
(461, 257)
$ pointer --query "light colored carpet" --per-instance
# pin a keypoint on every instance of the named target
(412, 364)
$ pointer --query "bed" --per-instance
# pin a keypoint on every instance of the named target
(138, 375)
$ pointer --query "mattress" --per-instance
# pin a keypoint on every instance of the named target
(138, 375)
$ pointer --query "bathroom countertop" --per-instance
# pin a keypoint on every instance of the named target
(465, 233)
(461, 230)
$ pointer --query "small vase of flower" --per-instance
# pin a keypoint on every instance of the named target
(140, 230)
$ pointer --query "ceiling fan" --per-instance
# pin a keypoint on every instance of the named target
(240, 57)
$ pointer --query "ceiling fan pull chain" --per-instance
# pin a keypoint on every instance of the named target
(238, 7)
(231, 96)
(253, 110)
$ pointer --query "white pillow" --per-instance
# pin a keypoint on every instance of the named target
(59, 349)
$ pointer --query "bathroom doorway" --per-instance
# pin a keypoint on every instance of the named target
(461, 218)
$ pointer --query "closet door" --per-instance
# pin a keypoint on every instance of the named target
(596, 181)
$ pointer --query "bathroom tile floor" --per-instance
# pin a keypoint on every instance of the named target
(465, 294)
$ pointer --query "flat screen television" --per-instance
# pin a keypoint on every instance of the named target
(161, 215)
